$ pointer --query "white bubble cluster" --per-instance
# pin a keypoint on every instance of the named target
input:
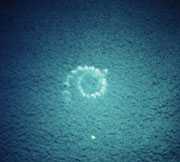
(79, 73)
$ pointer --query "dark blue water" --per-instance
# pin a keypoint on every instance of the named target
(44, 119)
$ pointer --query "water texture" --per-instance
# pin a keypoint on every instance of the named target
(44, 119)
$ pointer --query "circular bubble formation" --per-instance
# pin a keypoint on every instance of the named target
(99, 75)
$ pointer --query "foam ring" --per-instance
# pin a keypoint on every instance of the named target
(79, 74)
(99, 75)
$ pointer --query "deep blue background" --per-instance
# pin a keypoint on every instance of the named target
(138, 120)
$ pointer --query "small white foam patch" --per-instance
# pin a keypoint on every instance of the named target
(93, 137)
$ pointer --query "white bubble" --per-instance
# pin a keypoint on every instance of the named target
(74, 71)
(93, 95)
(79, 68)
(105, 71)
(93, 137)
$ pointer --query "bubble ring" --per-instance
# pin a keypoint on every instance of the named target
(100, 75)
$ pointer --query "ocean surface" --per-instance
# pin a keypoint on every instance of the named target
(56, 56)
